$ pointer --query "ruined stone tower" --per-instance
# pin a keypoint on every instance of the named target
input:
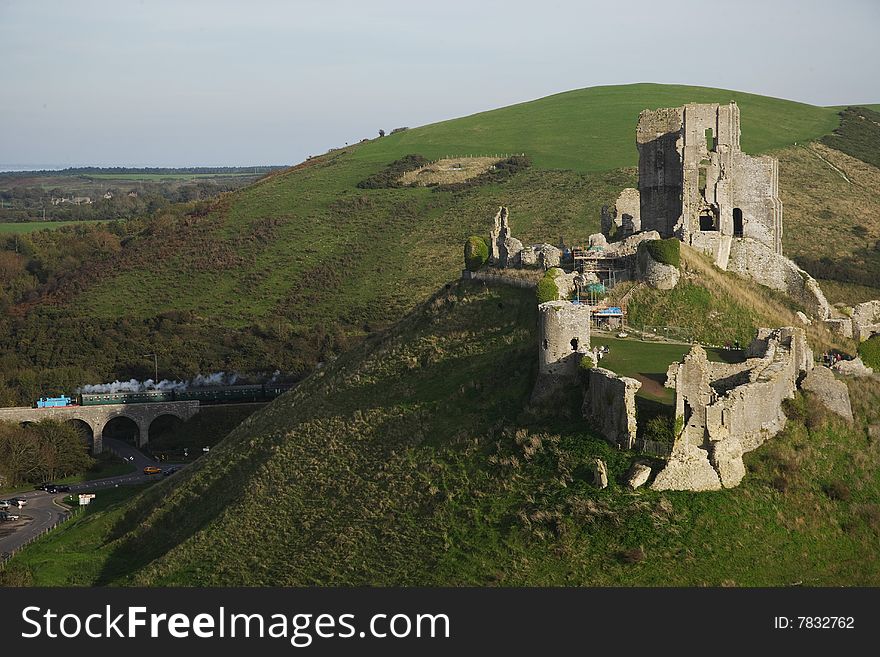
(564, 331)
(696, 184)
(564, 338)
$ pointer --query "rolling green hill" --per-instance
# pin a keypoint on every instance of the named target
(417, 460)
(594, 129)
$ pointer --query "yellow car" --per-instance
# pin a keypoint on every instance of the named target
(152, 469)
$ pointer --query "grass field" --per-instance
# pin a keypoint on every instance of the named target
(71, 554)
(648, 361)
(594, 129)
(31, 226)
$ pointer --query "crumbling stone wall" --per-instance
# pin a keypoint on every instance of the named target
(624, 216)
(865, 320)
(753, 259)
(610, 406)
(726, 410)
(503, 248)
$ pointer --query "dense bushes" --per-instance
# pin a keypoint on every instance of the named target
(390, 175)
(547, 288)
(858, 135)
(41, 451)
(476, 253)
(667, 252)
(869, 350)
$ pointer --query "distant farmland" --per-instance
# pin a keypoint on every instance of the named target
(31, 226)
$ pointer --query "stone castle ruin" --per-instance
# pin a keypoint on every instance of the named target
(725, 410)
(695, 185)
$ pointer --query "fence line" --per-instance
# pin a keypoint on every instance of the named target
(6, 556)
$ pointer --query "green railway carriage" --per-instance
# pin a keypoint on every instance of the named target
(203, 395)
(147, 396)
(226, 395)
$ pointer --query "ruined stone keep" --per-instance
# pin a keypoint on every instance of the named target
(564, 332)
(696, 184)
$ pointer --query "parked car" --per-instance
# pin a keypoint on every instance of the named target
(44, 486)
(20, 501)
(4, 504)
(57, 488)
(169, 471)
(152, 469)
(6, 515)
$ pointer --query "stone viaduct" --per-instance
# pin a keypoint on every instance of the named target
(97, 417)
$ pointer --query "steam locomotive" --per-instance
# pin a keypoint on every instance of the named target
(205, 395)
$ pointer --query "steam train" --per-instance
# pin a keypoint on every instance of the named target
(205, 395)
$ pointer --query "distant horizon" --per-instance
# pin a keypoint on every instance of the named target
(163, 83)
(37, 168)
(26, 168)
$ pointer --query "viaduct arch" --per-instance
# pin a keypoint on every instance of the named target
(97, 417)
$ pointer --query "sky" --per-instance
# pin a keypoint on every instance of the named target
(222, 83)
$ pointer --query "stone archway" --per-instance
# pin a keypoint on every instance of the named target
(164, 425)
(122, 427)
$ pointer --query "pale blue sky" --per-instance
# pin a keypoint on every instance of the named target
(154, 82)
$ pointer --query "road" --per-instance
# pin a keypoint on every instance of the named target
(44, 510)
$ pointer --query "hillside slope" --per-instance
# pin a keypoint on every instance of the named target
(416, 460)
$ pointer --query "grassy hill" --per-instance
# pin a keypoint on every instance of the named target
(416, 460)
(594, 129)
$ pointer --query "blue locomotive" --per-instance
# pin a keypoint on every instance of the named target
(54, 402)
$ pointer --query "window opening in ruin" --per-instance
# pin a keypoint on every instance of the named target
(707, 222)
(574, 344)
(545, 344)
(710, 139)
(701, 177)
(688, 411)
(737, 222)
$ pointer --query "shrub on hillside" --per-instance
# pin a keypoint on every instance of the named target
(547, 288)
(390, 175)
(667, 252)
(661, 429)
(476, 253)
(869, 350)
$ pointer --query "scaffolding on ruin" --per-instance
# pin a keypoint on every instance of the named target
(610, 269)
